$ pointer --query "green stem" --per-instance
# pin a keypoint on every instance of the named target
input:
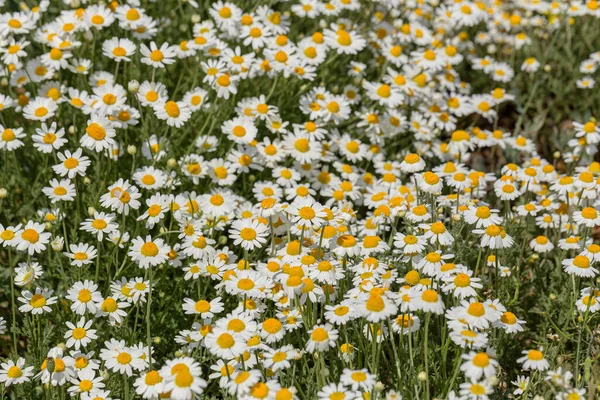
(148, 333)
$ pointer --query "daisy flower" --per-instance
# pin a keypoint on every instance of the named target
(100, 224)
(248, 234)
(15, 373)
(40, 109)
(358, 379)
(224, 344)
(175, 113)
(478, 364)
(31, 238)
(99, 134)
(121, 359)
(85, 296)
(72, 164)
(322, 337)
(533, 360)
(429, 300)
(148, 252)
(37, 302)
(80, 335)
(580, 265)
(157, 57)
(205, 308)
(10, 138)
(81, 254)
(118, 49)
(63, 190)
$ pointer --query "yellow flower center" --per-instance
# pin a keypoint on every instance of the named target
(319, 335)
(37, 301)
(225, 341)
(30, 235)
(172, 109)
(96, 131)
(149, 249)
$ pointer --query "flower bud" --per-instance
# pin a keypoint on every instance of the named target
(133, 86)
(50, 364)
(91, 211)
(172, 163)
(422, 376)
(57, 243)
(3, 193)
(131, 149)
(88, 35)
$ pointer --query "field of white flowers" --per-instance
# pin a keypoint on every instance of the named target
(303, 199)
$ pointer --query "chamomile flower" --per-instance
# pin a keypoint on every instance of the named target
(148, 252)
(15, 373)
(533, 360)
(322, 337)
(37, 302)
(157, 57)
(81, 254)
(80, 334)
(248, 234)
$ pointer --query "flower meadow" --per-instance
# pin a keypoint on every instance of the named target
(313, 199)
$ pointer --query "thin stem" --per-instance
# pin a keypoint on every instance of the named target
(148, 332)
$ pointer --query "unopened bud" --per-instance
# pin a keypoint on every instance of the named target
(131, 149)
(172, 163)
(3, 193)
(91, 211)
(57, 243)
(133, 86)
(88, 35)
(50, 364)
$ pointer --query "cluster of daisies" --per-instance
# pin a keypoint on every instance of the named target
(284, 201)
